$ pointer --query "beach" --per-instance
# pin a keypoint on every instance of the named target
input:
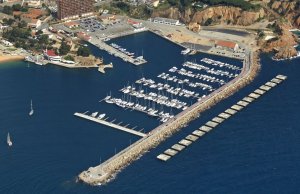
(8, 58)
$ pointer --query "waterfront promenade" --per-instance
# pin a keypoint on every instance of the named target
(104, 172)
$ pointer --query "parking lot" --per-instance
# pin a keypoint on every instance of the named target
(91, 25)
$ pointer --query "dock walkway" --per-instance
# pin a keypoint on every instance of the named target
(110, 124)
(111, 50)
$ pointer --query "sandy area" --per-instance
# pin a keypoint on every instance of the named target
(7, 58)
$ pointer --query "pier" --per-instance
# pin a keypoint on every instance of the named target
(113, 51)
(188, 140)
(110, 124)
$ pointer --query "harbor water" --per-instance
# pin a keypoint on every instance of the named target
(255, 151)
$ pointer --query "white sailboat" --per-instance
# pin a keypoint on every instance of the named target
(31, 110)
(9, 142)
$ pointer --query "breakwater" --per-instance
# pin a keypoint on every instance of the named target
(106, 171)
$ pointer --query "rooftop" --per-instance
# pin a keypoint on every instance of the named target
(226, 44)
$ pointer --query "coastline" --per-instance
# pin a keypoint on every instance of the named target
(11, 58)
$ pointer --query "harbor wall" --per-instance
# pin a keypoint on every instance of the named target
(106, 171)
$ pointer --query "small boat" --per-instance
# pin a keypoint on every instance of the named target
(101, 116)
(186, 51)
(9, 142)
(31, 110)
(94, 114)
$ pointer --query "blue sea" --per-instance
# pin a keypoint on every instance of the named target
(255, 151)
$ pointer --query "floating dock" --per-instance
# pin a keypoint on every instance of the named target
(163, 157)
(243, 103)
(185, 142)
(198, 133)
(248, 99)
(237, 107)
(220, 118)
(253, 95)
(230, 111)
(110, 124)
(178, 147)
(192, 137)
(171, 152)
(205, 128)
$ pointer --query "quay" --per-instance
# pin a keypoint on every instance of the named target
(104, 172)
(110, 124)
(210, 125)
(113, 51)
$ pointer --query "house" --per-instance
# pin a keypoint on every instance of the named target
(167, 21)
(34, 23)
(84, 36)
(134, 23)
(6, 43)
(227, 45)
(51, 55)
(71, 24)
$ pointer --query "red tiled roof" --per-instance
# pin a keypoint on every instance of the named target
(51, 53)
(226, 44)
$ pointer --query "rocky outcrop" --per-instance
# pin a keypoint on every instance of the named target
(289, 9)
(283, 45)
(216, 15)
(227, 15)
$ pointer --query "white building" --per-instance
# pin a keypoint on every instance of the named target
(166, 21)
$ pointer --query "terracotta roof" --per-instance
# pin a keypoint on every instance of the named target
(69, 24)
(36, 11)
(226, 44)
(51, 53)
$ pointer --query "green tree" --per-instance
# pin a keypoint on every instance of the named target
(16, 7)
(69, 58)
(7, 10)
(83, 51)
(22, 24)
(64, 48)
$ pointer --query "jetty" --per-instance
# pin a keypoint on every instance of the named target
(113, 51)
(110, 124)
(102, 68)
(104, 172)
(188, 140)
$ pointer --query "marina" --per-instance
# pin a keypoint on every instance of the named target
(212, 124)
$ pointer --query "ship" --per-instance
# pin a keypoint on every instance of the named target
(31, 110)
(186, 51)
(9, 142)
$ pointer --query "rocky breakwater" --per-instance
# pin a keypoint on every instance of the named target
(283, 44)
(106, 171)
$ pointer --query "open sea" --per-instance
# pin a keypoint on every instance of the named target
(255, 151)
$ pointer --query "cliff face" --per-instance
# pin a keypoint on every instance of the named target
(283, 45)
(289, 9)
(217, 15)
(227, 15)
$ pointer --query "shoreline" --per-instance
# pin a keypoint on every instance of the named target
(11, 58)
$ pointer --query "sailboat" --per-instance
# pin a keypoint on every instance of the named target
(9, 142)
(31, 110)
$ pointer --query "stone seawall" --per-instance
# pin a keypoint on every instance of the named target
(106, 171)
